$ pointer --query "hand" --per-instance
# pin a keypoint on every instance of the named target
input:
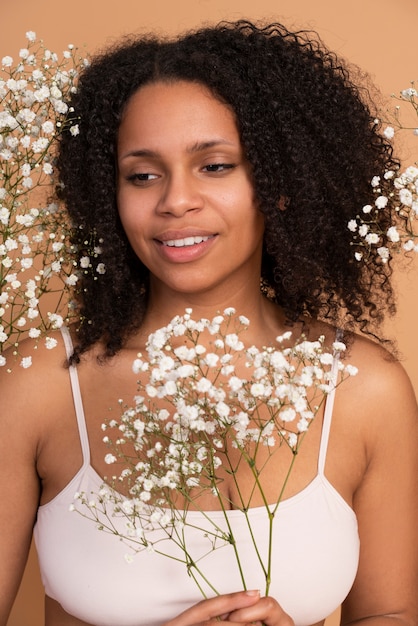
(244, 607)
(265, 612)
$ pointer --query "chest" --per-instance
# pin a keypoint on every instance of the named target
(247, 477)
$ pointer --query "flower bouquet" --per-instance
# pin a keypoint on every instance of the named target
(398, 188)
(208, 409)
(35, 253)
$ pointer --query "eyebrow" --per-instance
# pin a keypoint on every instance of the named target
(199, 146)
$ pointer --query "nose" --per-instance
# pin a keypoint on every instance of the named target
(181, 194)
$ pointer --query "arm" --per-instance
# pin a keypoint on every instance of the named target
(385, 591)
(19, 483)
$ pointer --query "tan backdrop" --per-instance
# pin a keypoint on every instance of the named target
(377, 35)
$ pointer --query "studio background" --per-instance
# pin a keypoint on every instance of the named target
(377, 35)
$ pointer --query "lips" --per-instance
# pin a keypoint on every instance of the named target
(186, 245)
(186, 241)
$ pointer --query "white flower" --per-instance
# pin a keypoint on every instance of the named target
(25, 169)
(389, 132)
(351, 370)
(50, 343)
(30, 35)
(222, 409)
(393, 234)
(6, 155)
(48, 127)
(60, 106)
(257, 390)
(11, 244)
(372, 238)
(203, 385)
(405, 196)
(170, 388)
(233, 342)
(211, 359)
(26, 263)
(352, 225)
(235, 383)
(287, 415)
(7, 61)
(4, 216)
(384, 254)
(409, 245)
(409, 93)
(42, 94)
(292, 440)
(71, 280)
(55, 320)
(74, 130)
(381, 202)
(389, 174)
(101, 268)
(110, 458)
(26, 362)
(25, 141)
(40, 145)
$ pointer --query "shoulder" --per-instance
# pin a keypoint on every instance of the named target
(34, 384)
(379, 402)
(381, 375)
(381, 391)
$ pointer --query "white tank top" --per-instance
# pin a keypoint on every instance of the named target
(315, 552)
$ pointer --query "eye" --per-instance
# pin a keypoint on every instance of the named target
(215, 168)
(142, 178)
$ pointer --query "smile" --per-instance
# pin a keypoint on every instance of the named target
(187, 241)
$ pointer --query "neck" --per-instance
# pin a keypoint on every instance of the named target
(266, 319)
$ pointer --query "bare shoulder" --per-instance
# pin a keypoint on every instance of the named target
(30, 393)
(380, 392)
(381, 375)
(379, 401)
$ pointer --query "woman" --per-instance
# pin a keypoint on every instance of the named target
(231, 157)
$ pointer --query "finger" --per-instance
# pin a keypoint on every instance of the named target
(223, 605)
(266, 611)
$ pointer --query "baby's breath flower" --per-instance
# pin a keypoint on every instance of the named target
(393, 189)
(34, 239)
(212, 421)
(389, 132)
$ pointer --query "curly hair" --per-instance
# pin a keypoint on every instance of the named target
(309, 135)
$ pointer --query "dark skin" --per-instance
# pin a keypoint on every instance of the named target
(375, 414)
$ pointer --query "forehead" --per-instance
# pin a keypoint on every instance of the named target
(180, 108)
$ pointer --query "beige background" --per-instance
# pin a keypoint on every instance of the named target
(377, 35)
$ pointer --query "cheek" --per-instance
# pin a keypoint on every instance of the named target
(128, 213)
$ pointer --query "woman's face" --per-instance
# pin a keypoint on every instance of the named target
(185, 194)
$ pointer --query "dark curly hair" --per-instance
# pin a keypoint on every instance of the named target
(309, 135)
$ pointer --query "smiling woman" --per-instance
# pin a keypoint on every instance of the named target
(212, 183)
(185, 197)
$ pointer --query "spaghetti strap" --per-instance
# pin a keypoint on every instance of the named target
(78, 403)
(326, 426)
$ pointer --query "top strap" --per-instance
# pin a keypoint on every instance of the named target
(78, 402)
(329, 406)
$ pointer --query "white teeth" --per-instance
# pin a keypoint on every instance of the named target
(188, 241)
